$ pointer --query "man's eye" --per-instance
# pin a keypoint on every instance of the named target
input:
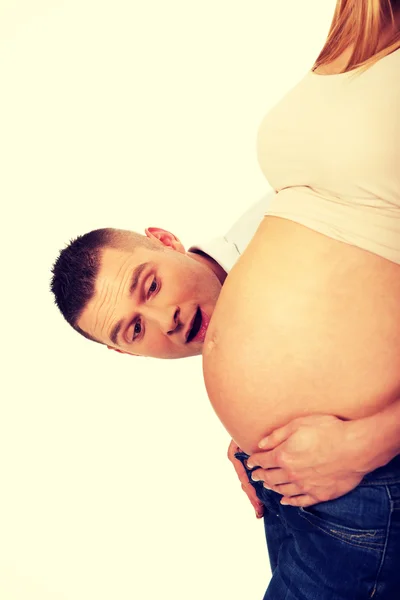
(153, 287)
(136, 330)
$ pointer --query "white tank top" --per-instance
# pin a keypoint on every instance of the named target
(331, 150)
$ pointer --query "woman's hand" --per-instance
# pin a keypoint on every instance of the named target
(311, 459)
(244, 480)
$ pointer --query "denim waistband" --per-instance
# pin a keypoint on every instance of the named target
(388, 474)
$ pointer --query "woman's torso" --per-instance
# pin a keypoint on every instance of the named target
(331, 149)
(306, 323)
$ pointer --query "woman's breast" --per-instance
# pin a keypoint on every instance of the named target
(304, 324)
(336, 133)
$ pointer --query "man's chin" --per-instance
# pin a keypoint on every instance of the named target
(197, 350)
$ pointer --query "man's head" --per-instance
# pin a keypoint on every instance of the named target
(138, 294)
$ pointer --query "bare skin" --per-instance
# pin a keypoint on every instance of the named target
(312, 472)
(318, 458)
(321, 457)
(323, 339)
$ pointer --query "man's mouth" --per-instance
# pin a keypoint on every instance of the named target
(198, 327)
(195, 327)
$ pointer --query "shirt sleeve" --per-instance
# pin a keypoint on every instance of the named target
(227, 249)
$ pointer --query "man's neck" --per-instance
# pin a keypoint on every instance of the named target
(209, 262)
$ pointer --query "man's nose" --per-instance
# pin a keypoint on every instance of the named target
(166, 317)
(172, 322)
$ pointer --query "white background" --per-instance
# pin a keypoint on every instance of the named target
(113, 470)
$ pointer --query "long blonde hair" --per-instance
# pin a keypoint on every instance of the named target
(359, 23)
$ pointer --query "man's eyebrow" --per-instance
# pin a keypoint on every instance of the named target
(132, 287)
(114, 333)
(135, 277)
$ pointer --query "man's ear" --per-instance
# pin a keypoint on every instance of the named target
(122, 351)
(166, 238)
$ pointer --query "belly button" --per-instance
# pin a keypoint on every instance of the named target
(210, 345)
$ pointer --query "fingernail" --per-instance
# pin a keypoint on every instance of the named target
(254, 477)
(263, 443)
(285, 502)
(249, 466)
(259, 515)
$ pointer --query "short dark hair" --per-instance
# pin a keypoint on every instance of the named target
(76, 268)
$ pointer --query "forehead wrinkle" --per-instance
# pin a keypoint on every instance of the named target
(104, 292)
(109, 293)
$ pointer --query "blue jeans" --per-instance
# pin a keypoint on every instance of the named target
(344, 549)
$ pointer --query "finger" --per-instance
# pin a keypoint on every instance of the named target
(302, 500)
(238, 466)
(272, 477)
(288, 489)
(240, 470)
(265, 460)
(244, 480)
(252, 496)
(233, 448)
(276, 437)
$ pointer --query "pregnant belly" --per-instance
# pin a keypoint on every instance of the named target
(304, 324)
